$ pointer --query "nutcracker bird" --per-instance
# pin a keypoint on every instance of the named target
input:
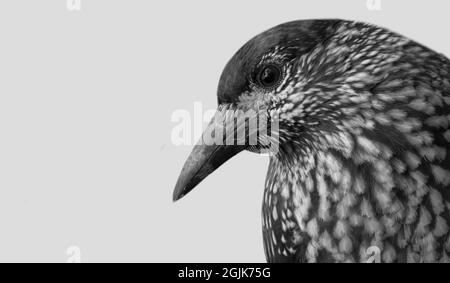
(363, 159)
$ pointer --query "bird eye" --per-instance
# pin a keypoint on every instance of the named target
(269, 76)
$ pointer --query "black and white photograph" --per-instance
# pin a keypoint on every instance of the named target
(232, 134)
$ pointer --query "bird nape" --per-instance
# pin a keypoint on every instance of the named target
(363, 137)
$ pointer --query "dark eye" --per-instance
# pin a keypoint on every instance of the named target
(269, 76)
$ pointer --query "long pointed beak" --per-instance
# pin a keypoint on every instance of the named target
(208, 155)
(203, 160)
(215, 148)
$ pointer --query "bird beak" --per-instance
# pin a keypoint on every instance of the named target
(203, 160)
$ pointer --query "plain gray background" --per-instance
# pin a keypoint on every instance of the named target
(86, 99)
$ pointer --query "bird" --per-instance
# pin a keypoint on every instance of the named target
(363, 157)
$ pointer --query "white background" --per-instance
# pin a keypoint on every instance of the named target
(86, 99)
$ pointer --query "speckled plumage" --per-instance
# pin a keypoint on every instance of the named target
(364, 135)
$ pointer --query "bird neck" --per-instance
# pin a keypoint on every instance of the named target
(337, 203)
(297, 193)
(305, 200)
(309, 187)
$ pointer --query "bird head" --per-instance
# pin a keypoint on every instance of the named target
(265, 77)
